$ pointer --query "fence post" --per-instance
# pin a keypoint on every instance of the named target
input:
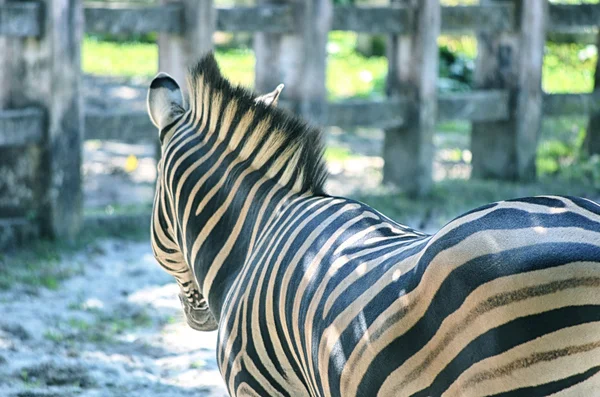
(592, 138)
(301, 58)
(512, 61)
(45, 72)
(413, 71)
(267, 46)
(177, 52)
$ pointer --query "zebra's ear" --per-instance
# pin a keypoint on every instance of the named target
(271, 98)
(165, 100)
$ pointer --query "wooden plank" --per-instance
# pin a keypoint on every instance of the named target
(302, 58)
(361, 113)
(395, 19)
(489, 17)
(177, 51)
(16, 232)
(371, 19)
(571, 37)
(127, 19)
(20, 127)
(506, 149)
(22, 19)
(119, 126)
(571, 104)
(268, 51)
(484, 105)
(264, 18)
(413, 72)
(58, 62)
(571, 18)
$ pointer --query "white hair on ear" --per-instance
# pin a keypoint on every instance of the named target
(272, 97)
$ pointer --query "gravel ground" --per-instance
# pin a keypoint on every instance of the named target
(114, 329)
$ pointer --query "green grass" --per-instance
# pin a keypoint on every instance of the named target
(104, 328)
(569, 68)
(119, 59)
(334, 153)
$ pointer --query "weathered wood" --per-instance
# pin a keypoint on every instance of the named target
(489, 105)
(22, 19)
(571, 18)
(356, 113)
(395, 19)
(592, 139)
(267, 49)
(264, 18)
(413, 71)
(302, 58)
(15, 232)
(571, 104)
(571, 37)
(47, 73)
(21, 127)
(487, 17)
(371, 19)
(128, 19)
(177, 52)
(119, 126)
(529, 99)
(506, 61)
(20, 181)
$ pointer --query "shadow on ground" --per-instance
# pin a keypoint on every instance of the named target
(112, 329)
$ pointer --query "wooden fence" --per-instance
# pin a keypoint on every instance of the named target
(43, 122)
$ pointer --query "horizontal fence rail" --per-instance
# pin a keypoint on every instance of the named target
(280, 18)
(571, 104)
(25, 126)
(573, 17)
(23, 19)
(118, 125)
(126, 19)
(268, 19)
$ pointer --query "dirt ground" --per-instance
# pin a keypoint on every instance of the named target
(113, 329)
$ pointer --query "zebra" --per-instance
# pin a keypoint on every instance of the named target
(317, 295)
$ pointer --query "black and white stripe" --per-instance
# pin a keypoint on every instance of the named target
(323, 296)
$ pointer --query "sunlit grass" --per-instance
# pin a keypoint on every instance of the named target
(569, 68)
(119, 59)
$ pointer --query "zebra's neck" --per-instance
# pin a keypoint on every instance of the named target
(222, 205)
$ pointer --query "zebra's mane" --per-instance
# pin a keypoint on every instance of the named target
(294, 137)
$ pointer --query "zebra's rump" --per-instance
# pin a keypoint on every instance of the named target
(504, 300)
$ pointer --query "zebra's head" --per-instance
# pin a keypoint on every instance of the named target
(174, 117)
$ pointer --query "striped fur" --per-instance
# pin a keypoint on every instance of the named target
(324, 296)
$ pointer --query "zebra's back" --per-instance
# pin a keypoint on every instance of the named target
(341, 301)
